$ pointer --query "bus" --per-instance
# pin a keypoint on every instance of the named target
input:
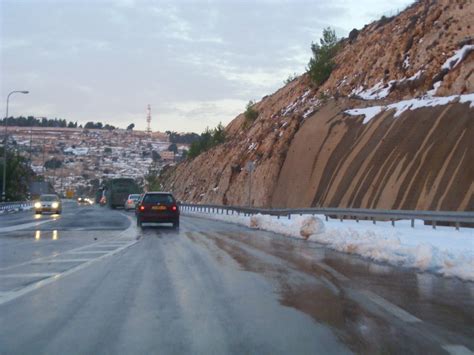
(116, 191)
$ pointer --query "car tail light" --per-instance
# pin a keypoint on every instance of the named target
(142, 208)
(129, 201)
(174, 208)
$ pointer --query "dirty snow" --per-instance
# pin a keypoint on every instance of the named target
(436, 86)
(406, 62)
(376, 92)
(411, 104)
(415, 76)
(368, 112)
(458, 57)
(443, 250)
(467, 98)
(252, 146)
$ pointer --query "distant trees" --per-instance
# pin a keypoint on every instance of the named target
(152, 179)
(130, 127)
(322, 63)
(32, 121)
(185, 138)
(155, 156)
(18, 176)
(210, 138)
(173, 148)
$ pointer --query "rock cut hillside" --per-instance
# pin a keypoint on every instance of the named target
(392, 127)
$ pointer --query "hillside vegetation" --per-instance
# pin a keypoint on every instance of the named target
(390, 127)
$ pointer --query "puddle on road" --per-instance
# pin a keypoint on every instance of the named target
(46, 235)
(306, 287)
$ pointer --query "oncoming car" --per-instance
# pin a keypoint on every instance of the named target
(157, 207)
(48, 203)
(84, 201)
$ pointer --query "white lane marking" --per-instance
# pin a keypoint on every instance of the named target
(107, 246)
(457, 350)
(61, 261)
(390, 307)
(11, 295)
(333, 272)
(87, 252)
(53, 256)
(33, 274)
(25, 225)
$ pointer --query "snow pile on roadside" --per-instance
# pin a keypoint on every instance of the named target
(444, 251)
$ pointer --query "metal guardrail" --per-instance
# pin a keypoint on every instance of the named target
(466, 219)
(17, 205)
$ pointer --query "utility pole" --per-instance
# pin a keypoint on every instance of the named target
(31, 136)
(43, 157)
(250, 169)
(148, 120)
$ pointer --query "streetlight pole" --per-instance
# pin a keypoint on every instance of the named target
(5, 144)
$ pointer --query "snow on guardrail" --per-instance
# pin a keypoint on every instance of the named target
(15, 206)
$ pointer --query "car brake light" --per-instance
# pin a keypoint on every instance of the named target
(142, 208)
(129, 201)
(173, 208)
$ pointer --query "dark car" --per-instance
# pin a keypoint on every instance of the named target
(157, 207)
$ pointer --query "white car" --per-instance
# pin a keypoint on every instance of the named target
(48, 203)
(131, 202)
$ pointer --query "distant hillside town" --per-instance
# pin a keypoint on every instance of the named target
(77, 159)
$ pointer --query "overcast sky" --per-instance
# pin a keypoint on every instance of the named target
(195, 62)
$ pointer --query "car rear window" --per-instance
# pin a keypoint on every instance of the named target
(158, 198)
(134, 197)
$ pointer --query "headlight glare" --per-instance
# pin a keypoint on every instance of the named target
(37, 204)
(55, 205)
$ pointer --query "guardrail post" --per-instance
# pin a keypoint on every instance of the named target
(412, 223)
(340, 218)
(357, 219)
(327, 218)
(457, 226)
(393, 222)
(433, 223)
(373, 220)
(289, 215)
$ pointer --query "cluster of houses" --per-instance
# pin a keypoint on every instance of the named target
(76, 159)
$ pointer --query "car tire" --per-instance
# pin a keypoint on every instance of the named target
(139, 223)
(176, 225)
(37, 212)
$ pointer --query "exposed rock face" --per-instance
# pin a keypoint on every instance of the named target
(420, 160)
(309, 152)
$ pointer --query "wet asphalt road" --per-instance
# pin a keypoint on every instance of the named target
(89, 281)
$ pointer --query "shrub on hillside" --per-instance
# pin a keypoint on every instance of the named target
(210, 138)
(250, 114)
(321, 64)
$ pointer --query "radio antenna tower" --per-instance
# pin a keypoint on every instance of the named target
(148, 119)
